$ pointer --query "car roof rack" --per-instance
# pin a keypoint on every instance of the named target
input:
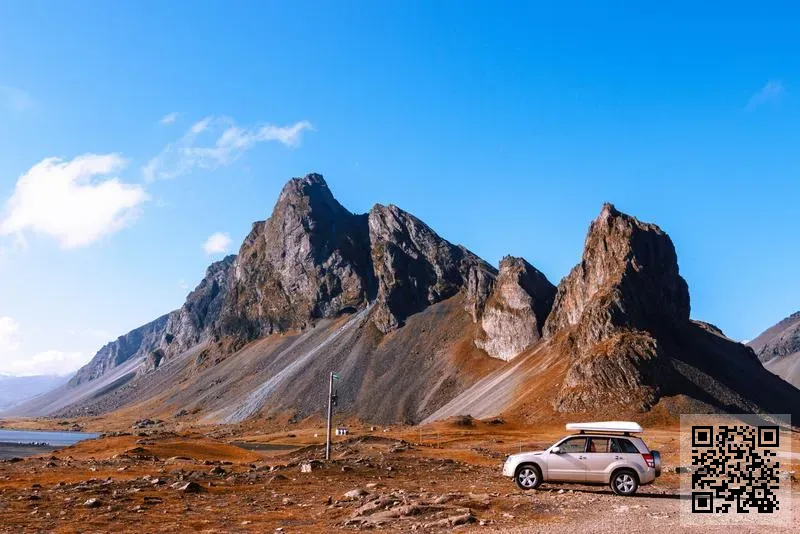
(623, 427)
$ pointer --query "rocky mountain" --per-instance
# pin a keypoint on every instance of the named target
(778, 348)
(308, 261)
(310, 284)
(619, 340)
(516, 309)
(136, 344)
(613, 307)
(419, 328)
(415, 268)
(170, 334)
(196, 321)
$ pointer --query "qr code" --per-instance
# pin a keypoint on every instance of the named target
(735, 469)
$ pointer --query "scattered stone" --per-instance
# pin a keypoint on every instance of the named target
(92, 502)
(188, 487)
(355, 494)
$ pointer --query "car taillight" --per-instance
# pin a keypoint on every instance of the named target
(649, 460)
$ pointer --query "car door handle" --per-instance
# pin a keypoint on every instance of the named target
(581, 457)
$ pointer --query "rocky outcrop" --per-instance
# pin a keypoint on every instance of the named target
(778, 348)
(170, 334)
(134, 344)
(779, 341)
(309, 260)
(195, 321)
(628, 277)
(612, 308)
(516, 309)
(415, 268)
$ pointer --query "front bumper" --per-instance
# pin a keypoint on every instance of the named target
(508, 468)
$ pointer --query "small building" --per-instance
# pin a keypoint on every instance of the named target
(341, 431)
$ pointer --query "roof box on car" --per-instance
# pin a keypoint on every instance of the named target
(625, 427)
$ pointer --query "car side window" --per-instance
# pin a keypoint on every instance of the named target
(573, 445)
(623, 445)
(598, 445)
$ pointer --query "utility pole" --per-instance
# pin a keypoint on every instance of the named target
(331, 401)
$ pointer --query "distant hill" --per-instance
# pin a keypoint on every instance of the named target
(778, 348)
(16, 389)
(419, 328)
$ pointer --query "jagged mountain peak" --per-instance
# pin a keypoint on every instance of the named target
(614, 307)
(615, 335)
(414, 267)
(311, 188)
(309, 260)
(628, 272)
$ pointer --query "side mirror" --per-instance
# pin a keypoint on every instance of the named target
(555, 450)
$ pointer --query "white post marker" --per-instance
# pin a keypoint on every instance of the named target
(330, 415)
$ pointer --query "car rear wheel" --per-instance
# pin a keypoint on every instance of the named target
(528, 476)
(624, 482)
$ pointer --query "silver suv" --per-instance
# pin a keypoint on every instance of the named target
(591, 457)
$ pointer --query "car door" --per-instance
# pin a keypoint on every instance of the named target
(598, 457)
(624, 450)
(569, 464)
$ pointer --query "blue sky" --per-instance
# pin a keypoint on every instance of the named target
(504, 127)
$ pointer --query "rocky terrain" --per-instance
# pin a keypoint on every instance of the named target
(419, 329)
(778, 348)
(516, 309)
(156, 477)
(136, 344)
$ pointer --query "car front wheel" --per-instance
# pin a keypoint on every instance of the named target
(624, 482)
(528, 477)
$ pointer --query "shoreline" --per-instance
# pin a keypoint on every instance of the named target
(23, 450)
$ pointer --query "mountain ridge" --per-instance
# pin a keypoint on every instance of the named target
(778, 348)
(415, 323)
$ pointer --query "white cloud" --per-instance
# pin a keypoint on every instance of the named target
(9, 329)
(66, 200)
(169, 118)
(772, 92)
(217, 243)
(14, 361)
(15, 99)
(49, 362)
(229, 143)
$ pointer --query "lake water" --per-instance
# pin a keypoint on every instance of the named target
(54, 439)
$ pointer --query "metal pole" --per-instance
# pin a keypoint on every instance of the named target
(330, 414)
